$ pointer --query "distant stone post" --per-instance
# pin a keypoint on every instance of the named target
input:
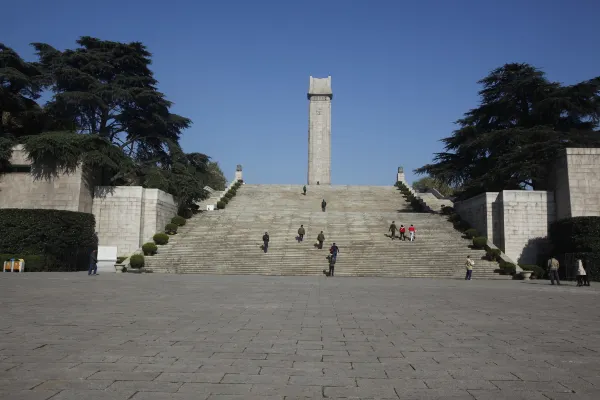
(238, 173)
(400, 177)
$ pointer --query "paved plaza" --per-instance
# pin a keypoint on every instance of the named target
(157, 337)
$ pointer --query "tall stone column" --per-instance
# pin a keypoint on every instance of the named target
(319, 131)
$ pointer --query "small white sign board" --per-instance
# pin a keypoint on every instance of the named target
(210, 207)
(107, 257)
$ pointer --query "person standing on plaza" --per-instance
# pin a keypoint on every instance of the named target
(582, 279)
(304, 190)
(402, 233)
(553, 266)
(323, 205)
(320, 240)
(301, 233)
(469, 266)
(93, 270)
(393, 229)
(411, 232)
(265, 241)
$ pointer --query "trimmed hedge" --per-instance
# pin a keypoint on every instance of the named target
(471, 233)
(161, 238)
(64, 239)
(414, 201)
(136, 261)
(178, 220)
(171, 229)
(221, 205)
(149, 249)
(493, 254)
(508, 268)
(479, 242)
(576, 235)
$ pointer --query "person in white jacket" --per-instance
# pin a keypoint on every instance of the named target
(582, 278)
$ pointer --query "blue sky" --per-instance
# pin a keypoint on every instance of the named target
(402, 72)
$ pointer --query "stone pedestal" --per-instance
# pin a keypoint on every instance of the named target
(238, 173)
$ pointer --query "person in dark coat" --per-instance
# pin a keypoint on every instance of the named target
(393, 229)
(265, 241)
(301, 233)
(304, 190)
(331, 265)
(93, 270)
(323, 205)
(334, 250)
(320, 240)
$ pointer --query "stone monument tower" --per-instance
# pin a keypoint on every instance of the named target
(319, 131)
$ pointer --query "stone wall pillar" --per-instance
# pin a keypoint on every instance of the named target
(238, 173)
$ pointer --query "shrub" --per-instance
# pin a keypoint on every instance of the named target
(576, 235)
(221, 205)
(178, 220)
(64, 239)
(161, 238)
(225, 200)
(536, 271)
(228, 195)
(136, 261)
(508, 268)
(454, 217)
(447, 210)
(462, 226)
(493, 254)
(149, 249)
(33, 263)
(171, 229)
(124, 269)
(479, 242)
(471, 233)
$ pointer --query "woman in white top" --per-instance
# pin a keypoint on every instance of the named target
(582, 278)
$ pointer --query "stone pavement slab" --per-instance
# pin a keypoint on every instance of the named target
(158, 337)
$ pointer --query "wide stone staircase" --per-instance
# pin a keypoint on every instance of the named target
(357, 220)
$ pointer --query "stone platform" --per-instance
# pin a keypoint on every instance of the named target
(154, 337)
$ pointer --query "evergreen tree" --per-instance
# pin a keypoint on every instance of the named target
(20, 86)
(512, 139)
(105, 91)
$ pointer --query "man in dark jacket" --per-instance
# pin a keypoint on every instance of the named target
(323, 205)
(304, 190)
(393, 229)
(331, 265)
(93, 263)
(320, 239)
(301, 233)
(265, 241)
(334, 250)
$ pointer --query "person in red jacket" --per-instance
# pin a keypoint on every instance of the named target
(411, 232)
(402, 232)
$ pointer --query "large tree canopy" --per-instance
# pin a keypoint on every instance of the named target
(20, 86)
(512, 139)
(105, 113)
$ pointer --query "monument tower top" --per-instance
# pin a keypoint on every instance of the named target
(320, 87)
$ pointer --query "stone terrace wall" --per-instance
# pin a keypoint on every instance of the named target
(580, 196)
(526, 216)
(159, 208)
(21, 190)
(478, 211)
(128, 216)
